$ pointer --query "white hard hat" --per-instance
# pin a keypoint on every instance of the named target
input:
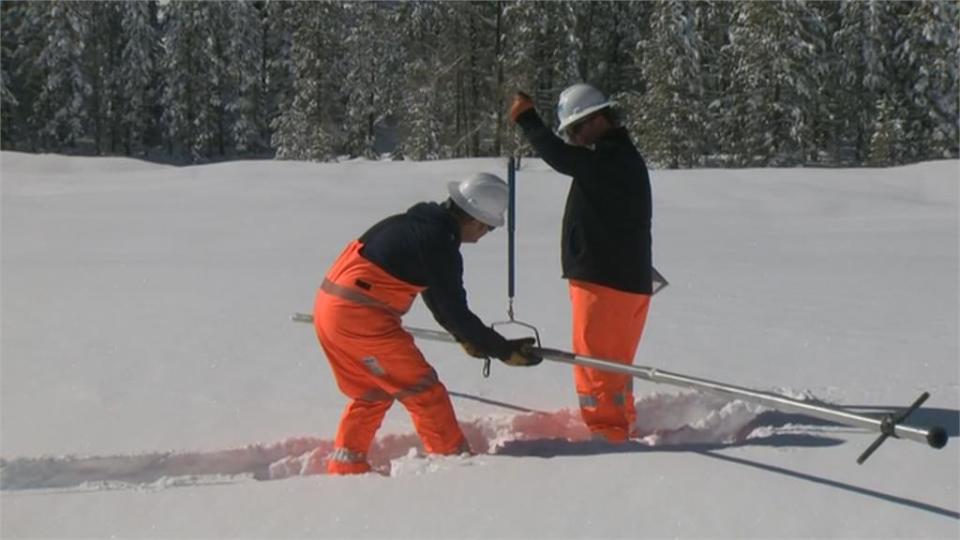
(579, 101)
(484, 196)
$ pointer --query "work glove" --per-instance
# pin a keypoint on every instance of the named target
(473, 350)
(521, 104)
(521, 353)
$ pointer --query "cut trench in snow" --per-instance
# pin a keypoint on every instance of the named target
(663, 420)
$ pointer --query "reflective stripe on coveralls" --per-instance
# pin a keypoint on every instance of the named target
(346, 456)
(356, 296)
(607, 323)
(587, 400)
(357, 319)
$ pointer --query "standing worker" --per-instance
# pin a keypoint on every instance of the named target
(606, 245)
(372, 284)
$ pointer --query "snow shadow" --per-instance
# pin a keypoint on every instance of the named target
(686, 422)
(838, 485)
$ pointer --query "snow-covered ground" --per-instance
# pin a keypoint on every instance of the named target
(153, 385)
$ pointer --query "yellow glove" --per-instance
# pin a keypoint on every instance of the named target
(472, 349)
(521, 353)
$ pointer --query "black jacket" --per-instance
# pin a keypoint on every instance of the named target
(422, 247)
(606, 224)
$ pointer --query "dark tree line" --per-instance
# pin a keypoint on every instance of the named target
(699, 82)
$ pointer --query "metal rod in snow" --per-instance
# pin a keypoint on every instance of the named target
(936, 436)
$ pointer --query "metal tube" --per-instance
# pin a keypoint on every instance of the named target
(435, 335)
(935, 436)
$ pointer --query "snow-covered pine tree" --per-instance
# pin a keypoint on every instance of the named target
(196, 82)
(214, 118)
(278, 72)
(243, 78)
(371, 63)
(22, 22)
(716, 67)
(307, 129)
(886, 143)
(103, 49)
(423, 104)
(468, 42)
(60, 107)
(182, 94)
(924, 61)
(137, 74)
(315, 77)
(8, 99)
(943, 48)
(775, 51)
(500, 89)
(420, 129)
(670, 116)
(858, 75)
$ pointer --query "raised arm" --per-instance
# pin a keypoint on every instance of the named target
(562, 157)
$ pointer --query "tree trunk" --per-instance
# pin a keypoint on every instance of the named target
(499, 104)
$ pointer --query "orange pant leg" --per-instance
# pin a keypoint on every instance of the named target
(374, 362)
(607, 324)
(360, 421)
(361, 417)
(435, 421)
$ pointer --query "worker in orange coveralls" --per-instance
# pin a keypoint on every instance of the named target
(606, 245)
(368, 289)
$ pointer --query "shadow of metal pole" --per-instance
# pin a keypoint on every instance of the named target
(494, 402)
(835, 484)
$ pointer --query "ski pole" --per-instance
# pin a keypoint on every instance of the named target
(889, 425)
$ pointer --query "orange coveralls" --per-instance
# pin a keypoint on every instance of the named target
(357, 319)
(607, 324)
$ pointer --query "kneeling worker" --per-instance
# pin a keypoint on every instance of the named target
(373, 284)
